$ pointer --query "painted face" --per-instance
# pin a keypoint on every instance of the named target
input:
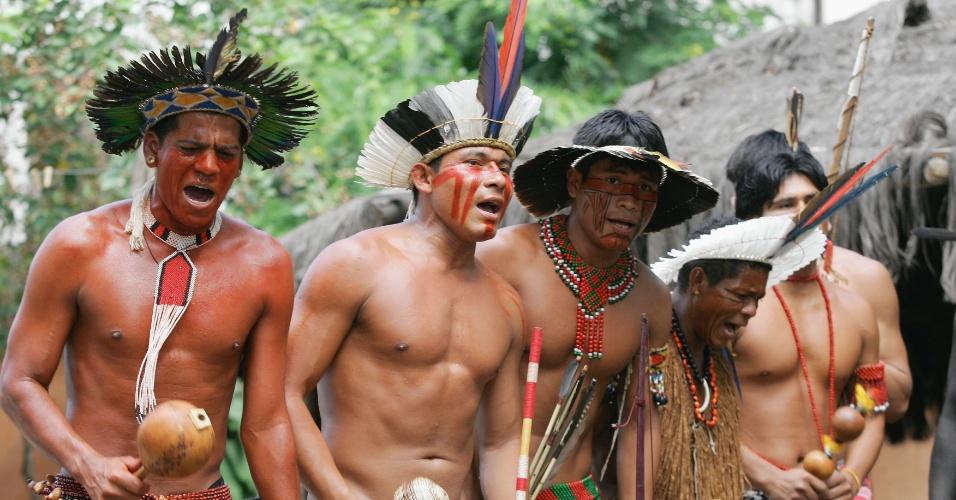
(195, 167)
(473, 188)
(721, 310)
(616, 201)
(792, 196)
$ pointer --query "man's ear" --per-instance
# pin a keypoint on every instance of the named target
(422, 177)
(574, 182)
(150, 148)
(697, 280)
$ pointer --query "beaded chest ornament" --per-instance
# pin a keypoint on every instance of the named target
(175, 283)
(594, 287)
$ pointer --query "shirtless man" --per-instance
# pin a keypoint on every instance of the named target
(415, 344)
(613, 192)
(790, 376)
(861, 274)
(90, 298)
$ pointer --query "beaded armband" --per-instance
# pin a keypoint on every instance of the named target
(655, 373)
(869, 393)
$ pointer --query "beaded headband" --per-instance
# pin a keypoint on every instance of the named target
(492, 111)
(271, 105)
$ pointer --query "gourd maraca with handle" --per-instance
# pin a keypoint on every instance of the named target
(174, 440)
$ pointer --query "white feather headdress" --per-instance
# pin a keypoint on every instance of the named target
(764, 239)
(494, 110)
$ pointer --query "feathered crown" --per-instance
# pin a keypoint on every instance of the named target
(763, 239)
(494, 110)
(271, 105)
(541, 183)
(787, 244)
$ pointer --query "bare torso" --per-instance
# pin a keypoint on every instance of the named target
(400, 397)
(776, 416)
(112, 291)
(519, 255)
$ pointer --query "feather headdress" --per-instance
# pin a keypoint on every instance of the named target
(763, 240)
(541, 183)
(786, 244)
(271, 105)
(494, 110)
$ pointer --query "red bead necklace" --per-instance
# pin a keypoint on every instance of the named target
(693, 376)
(803, 361)
(594, 287)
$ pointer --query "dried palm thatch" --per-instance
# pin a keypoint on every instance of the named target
(707, 106)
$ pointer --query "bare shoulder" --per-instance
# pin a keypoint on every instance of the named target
(357, 259)
(87, 234)
(252, 246)
(509, 242)
(862, 271)
(651, 288)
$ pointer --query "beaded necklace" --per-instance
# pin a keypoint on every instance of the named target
(803, 361)
(175, 283)
(594, 287)
(693, 375)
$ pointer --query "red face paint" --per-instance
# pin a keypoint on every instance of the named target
(601, 196)
(620, 189)
(468, 178)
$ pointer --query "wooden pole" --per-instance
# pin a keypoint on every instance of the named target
(853, 95)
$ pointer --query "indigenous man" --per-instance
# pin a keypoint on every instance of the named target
(859, 273)
(414, 344)
(580, 283)
(721, 274)
(793, 367)
(174, 295)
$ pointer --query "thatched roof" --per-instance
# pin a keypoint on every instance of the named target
(707, 106)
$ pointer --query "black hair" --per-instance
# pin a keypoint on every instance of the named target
(755, 147)
(716, 270)
(614, 127)
(760, 183)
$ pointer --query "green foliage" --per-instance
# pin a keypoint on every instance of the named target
(362, 56)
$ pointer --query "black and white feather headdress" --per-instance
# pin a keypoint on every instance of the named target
(494, 110)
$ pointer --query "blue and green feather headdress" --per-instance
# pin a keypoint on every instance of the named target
(271, 105)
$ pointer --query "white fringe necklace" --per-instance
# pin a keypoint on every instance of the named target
(175, 283)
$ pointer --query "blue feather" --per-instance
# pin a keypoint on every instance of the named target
(489, 80)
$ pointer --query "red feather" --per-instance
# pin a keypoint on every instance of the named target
(513, 31)
(841, 186)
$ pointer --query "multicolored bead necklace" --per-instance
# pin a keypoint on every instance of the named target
(594, 287)
(694, 376)
(803, 361)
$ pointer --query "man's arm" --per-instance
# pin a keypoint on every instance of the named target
(659, 326)
(40, 330)
(942, 481)
(322, 315)
(266, 431)
(880, 293)
(498, 426)
(861, 453)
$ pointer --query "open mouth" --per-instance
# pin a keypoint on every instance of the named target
(198, 194)
(491, 207)
(622, 225)
(730, 330)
